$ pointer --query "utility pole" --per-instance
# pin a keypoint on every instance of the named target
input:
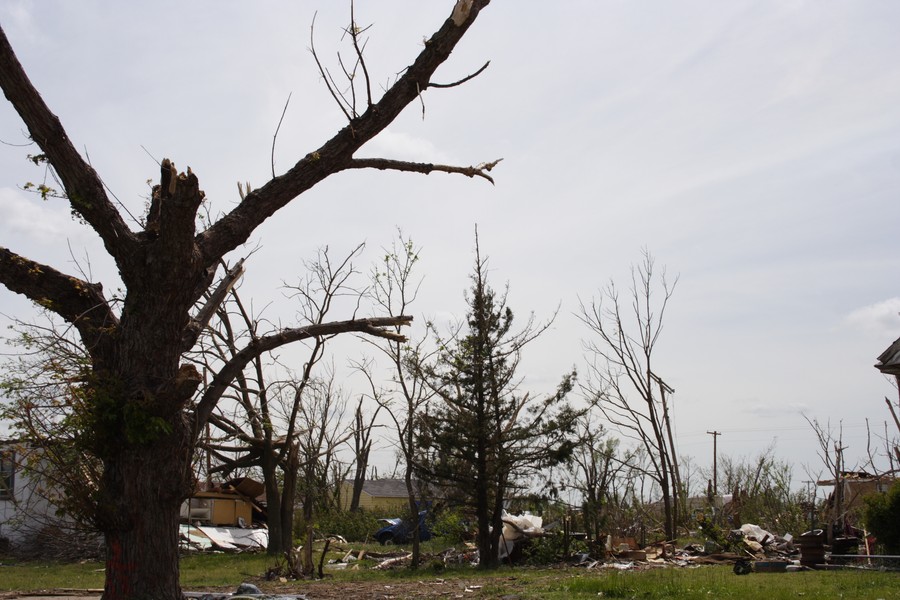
(838, 492)
(663, 389)
(715, 435)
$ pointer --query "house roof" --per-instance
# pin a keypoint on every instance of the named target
(889, 360)
(386, 488)
(856, 477)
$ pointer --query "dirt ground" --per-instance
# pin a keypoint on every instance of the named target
(430, 587)
(470, 587)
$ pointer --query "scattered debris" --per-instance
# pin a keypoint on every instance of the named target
(195, 537)
(393, 562)
(756, 551)
(245, 591)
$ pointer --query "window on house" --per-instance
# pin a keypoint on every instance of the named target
(7, 474)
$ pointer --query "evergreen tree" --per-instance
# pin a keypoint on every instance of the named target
(487, 437)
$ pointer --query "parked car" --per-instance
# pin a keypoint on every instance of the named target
(399, 531)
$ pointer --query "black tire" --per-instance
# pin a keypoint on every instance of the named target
(387, 540)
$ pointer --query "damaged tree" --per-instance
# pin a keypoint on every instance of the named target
(595, 467)
(264, 422)
(621, 367)
(393, 291)
(140, 421)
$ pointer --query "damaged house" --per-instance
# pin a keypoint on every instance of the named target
(30, 522)
(229, 516)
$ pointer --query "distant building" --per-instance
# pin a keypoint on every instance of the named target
(236, 503)
(854, 487)
(378, 495)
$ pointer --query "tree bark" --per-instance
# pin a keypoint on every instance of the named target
(273, 505)
(139, 516)
(289, 496)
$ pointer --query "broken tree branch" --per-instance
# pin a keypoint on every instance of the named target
(386, 164)
(375, 326)
(215, 300)
(893, 412)
(83, 186)
(337, 153)
(461, 81)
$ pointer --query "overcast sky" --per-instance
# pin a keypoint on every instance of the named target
(752, 147)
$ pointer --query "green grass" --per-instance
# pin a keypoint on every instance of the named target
(32, 576)
(196, 571)
(721, 582)
(206, 570)
(528, 583)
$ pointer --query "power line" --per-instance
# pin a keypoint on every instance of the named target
(764, 429)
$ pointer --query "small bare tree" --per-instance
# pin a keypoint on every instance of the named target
(622, 380)
(262, 419)
(321, 431)
(599, 471)
(393, 291)
(362, 448)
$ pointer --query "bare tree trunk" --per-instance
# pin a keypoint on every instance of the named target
(138, 516)
(288, 497)
(273, 504)
(359, 481)
(677, 489)
(414, 515)
(362, 446)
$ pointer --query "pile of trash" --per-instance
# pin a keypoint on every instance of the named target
(762, 544)
(749, 548)
(517, 530)
(749, 543)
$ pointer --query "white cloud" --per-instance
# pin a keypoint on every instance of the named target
(19, 16)
(34, 220)
(877, 317)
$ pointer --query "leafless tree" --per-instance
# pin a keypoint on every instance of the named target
(362, 448)
(266, 420)
(596, 465)
(622, 381)
(322, 430)
(393, 290)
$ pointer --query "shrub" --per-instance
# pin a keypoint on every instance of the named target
(352, 526)
(451, 525)
(882, 518)
(550, 549)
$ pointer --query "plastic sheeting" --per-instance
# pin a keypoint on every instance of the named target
(517, 528)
